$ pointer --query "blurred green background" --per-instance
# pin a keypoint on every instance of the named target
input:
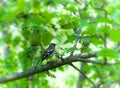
(28, 26)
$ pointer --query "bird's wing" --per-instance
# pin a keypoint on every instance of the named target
(47, 54)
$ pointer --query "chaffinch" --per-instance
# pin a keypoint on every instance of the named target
(49, 52)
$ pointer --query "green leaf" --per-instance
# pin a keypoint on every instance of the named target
(83, 23)
(115, 35)
(95, 41)
(71, 8)
(67, 50)
(71, 38)
(103, 29)
(61, 68)
(107, 53)
(26, 33)
(16, 41)
(116, 16)
(46, 37)
(67, 26)
(60, 36)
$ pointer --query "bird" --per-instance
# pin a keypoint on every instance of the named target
(49, 52)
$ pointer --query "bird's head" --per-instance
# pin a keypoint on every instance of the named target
(52, 44)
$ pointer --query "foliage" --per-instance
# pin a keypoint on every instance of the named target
(28, 26)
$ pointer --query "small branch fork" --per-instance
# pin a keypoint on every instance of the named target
(94, 86)
(71, 54)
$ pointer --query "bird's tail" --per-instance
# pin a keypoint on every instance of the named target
(39, 62)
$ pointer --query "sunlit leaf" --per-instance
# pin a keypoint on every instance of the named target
(115, 35)
(107, 53)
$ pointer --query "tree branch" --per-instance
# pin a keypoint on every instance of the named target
(83, 75)
(52, 65)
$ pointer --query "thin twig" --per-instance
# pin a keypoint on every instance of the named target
(105, 37)
(75, 44)
(105, 45)
(91, 36)
(83, 74)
